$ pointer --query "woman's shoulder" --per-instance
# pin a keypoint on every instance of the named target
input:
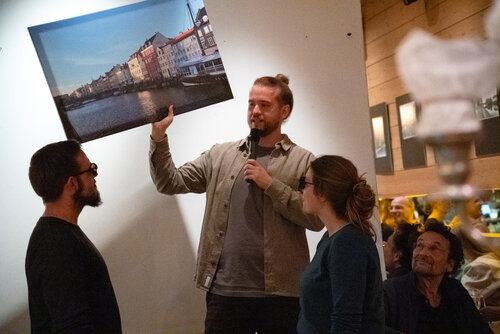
(350, 233)
(353, 238)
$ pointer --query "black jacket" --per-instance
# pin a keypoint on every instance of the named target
(408, 311)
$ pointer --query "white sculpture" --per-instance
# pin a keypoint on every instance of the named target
(447, 77)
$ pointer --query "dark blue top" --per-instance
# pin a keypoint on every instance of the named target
(341, 290)
(69, 288)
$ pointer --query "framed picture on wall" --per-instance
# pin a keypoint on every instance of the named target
(487, 110)
(412, 149)
(381, 136)
(121, 68)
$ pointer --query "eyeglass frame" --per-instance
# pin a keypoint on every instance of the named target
(92, 169)
(303, 182)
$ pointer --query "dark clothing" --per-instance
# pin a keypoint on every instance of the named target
(407, 310)
(69, 288)
(244, 315)
(386, 231)
(398, 272)
(341, 290)
(240, 272)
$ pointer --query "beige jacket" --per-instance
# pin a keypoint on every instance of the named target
(286, 253)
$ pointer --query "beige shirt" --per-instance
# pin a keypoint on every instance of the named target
(286, 253)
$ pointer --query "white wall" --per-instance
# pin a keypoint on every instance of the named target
(149, 240)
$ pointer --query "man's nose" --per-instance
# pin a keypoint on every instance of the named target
(256, 109)
(424, 251)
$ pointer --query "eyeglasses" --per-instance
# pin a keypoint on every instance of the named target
(303, 182)
(92, 169)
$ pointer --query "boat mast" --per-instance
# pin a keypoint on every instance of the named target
(195, 29)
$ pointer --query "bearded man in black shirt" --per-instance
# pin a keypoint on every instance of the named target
(69, 288)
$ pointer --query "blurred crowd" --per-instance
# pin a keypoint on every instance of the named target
(475, 266)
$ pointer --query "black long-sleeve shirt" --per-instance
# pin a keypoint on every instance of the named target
(69, 288)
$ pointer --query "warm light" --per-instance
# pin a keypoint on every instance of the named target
(491, 235)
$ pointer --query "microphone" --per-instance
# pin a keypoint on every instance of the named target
(253, 142)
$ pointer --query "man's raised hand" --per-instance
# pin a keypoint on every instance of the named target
(159, 128)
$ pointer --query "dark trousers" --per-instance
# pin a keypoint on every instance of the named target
(242, 315)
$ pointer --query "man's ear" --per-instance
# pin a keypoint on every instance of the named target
(71, 185)
(397, 255)
(451, 264)
(285, 112)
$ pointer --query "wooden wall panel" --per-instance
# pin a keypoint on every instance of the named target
(386, 23)
(391, 19)
(448, 13)
(397, 156)
(431, 160)
(411, 182)
(381, 72)
(396, 142)
(385, 70)
(372, 8)
(471, 27)
(387, 92)
(485, 174)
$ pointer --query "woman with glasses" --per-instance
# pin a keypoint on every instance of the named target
(341, 290)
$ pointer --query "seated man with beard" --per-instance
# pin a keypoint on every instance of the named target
(427, 299)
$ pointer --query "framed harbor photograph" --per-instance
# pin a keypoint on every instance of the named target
(487, 110)
(381, 136)
(412, 149)
(121, 68)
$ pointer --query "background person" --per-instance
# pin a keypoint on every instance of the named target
(403, 210)
(253, 245)
(481, 278)
(69, 288)
(471, 248)
(386, 221)
(438, 209)
(398, 250)
(341, 290)
(474, 214)
(427, 299)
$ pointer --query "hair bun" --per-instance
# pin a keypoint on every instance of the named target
(283, 78)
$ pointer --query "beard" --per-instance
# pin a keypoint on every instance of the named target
(81, 199)
(268, 128)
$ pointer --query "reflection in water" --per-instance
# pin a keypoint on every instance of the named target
(118, 113)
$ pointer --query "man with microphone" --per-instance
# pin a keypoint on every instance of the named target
(253, 246)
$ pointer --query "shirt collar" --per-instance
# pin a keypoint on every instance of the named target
(285, 144)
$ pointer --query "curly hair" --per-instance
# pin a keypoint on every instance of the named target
(456, 251)
(404, 238)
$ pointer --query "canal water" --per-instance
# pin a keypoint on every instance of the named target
(118, 113)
